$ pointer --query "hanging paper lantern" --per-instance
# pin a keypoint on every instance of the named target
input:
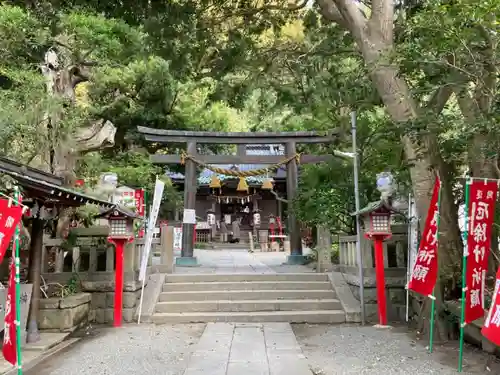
(210, 218)
(256, 218)
(242, 185)
(267, 184)
(215, 182)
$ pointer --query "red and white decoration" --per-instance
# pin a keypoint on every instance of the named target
(140, 206)
(425, 271)
(482, 198)
(10, 216)
(9, 336)
(491, 327)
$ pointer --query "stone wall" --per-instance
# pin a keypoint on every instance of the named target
(395, 258)
(64, 314)
(395, 280)
(102, 300)
(97, 283)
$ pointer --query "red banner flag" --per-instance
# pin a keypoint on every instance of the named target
(481, 210)
(425, 271)
(10, 216)
(9, 333)
(491, 327)
(140, 207)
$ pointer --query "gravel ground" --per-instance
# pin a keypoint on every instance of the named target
(335, 350)
(133, 349)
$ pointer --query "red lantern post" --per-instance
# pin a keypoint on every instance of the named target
(121, 224)
(377, 223)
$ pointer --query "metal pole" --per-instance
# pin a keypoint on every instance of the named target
(358, 229)
(408, 256)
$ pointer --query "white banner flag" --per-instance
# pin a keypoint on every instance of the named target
(153, 216)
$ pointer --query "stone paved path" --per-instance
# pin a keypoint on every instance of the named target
(248, 349)
(239, 261)
(133, 349)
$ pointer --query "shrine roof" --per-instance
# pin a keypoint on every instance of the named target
(37, 184)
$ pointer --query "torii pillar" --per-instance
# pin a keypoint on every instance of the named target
(187, 258)
(292, 183)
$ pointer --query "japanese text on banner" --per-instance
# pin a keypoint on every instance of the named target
(425, 271)
(9, 336)
(480, 220)
(9, 218)
(491, 327)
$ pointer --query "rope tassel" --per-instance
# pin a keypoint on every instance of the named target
(242, 185)
(236, 173)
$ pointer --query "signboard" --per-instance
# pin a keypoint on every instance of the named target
(189, 216)
(25, 305)
(413, 233)
(125, 196)
(177, 239)
(159, 186)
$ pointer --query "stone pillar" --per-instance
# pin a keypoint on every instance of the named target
(250, 241)
(366, 248)
(93, 260)
(213, 227)
(110, 258)
(324, 241)
(36, 248)
(400, 254)
(129, 257)
(76, 260)
(167, 248)
(292, 182)
(255, 204)
(187, 258)
(59, 266)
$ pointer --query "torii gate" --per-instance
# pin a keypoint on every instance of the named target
(241, 139)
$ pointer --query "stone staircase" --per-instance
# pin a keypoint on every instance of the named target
(241, 298)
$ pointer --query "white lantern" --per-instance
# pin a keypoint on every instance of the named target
(256, 218)
(211, 219)
(271, 220)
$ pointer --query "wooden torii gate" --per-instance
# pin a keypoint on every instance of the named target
(241, 139)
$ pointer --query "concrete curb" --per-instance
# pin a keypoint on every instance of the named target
(350, 305)
(152, 292)
(45, 355)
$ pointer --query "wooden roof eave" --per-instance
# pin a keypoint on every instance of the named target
(53, 194)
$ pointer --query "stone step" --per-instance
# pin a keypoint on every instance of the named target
(245, 295)
(312, 317)
(235, 277)
(249, 306)
(247, 285)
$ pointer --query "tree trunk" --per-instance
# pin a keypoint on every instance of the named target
(374, 38)
(65, 146)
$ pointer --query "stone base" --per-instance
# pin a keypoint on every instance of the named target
(106, 316)
(186, 262)
(296, 259)
(64, 314)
